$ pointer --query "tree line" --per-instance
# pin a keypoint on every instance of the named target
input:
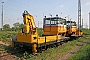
(16, 27)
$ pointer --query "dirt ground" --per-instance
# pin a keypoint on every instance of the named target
(4, 55)
(6, 44)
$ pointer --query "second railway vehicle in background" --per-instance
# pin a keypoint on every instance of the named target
(72, 29)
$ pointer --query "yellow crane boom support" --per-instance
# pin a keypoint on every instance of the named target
(29, 23)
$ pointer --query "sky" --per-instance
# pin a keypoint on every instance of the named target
(13, 10)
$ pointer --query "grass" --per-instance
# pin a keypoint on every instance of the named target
(84, 52)
(52, 53)
(6, 36)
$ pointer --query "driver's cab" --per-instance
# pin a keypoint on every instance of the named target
(54, 25)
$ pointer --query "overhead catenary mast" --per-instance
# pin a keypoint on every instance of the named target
(89, 20)
(82, 23)
(2, 15)
(79, 14)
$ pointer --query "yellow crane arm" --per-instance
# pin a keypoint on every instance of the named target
(29, 24)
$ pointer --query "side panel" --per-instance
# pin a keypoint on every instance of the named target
(23, 38)
(47, 28)
(54, 30)
(27, 38)
(41, 40)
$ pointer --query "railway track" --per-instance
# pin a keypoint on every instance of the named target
(11, 53)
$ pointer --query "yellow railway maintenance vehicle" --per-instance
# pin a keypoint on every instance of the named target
(72, 29)
(54, 28)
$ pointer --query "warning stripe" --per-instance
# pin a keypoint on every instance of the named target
(54, 26)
